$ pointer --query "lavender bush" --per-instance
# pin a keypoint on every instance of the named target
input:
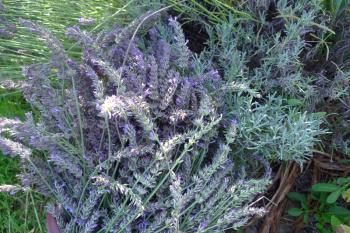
(134, 138)
(270, 57)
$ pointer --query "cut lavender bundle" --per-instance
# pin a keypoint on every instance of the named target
(130, 139)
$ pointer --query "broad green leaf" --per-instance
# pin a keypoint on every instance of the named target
(324, 187)
(343, 180)
(295, 212)
(338, 211)
(295, 196)
(333, 197)
(335, 222)
(346, 195)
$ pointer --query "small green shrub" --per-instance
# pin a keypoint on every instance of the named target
(328, 215)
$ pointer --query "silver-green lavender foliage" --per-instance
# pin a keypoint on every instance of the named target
(131, 139)
(264, 60)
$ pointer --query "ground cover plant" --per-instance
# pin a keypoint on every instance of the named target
(328, 214)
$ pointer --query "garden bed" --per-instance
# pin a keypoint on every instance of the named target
(196, 116)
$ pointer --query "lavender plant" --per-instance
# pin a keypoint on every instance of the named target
(266, 62)
(135, 138)
(269, 53)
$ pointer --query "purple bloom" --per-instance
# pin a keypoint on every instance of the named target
(214, 74)
(203, 225)
(153, 34)
(143, 224)
(55, 110)
(5, 34)
(152, 135)
(135, 52)
(129, 146)
(234, 121)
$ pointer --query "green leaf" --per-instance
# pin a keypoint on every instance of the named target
(335, 222)
(343, 180)
(295, 196)
(320, 114)
(346, 195)
(306, 218)
(319, 227)
(328, 5)
(324, 187)
(335, 7)
(295, 212)
(338, 211)
(339, 6)
(294, 102)
(333, 197)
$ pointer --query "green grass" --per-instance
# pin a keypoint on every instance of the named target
(210, 11)
(22, 212)
(12, 104)
(24, 48)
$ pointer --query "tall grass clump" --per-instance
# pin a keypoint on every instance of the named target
(20, 48)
